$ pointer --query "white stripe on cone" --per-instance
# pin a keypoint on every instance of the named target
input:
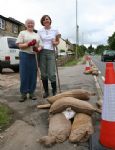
(108, 107)
(87, 63)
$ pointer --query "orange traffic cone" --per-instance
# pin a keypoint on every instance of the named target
(87, 68)
(107, 130)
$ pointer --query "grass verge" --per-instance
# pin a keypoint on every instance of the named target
(73, 62)
(5, 116)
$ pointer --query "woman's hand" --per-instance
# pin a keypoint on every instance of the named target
(40, 48)
(37, 49)
(32, 43)
(54, 42)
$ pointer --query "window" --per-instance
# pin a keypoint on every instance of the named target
(12, 43)
(2, 24)
(15, 28)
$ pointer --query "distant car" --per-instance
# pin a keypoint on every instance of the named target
(108, 55)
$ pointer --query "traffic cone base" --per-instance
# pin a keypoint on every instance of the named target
(107, 134)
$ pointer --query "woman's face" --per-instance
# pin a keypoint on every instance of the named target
(46, 22)
(30, 25)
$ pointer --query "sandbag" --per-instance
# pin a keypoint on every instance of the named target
(76, 93)
(82, 128)
(95, 72)
(77, 105)
(59, 127)
(59, 130)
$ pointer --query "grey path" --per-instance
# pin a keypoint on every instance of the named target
(32, 123)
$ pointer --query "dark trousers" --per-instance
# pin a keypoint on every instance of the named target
(28, 72)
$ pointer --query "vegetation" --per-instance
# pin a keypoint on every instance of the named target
(5, 116)
(81, 51)
(62, 50)
(111, 41)
(72, 62)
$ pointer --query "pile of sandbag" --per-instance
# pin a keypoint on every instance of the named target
(94, 70)
(64, 106)
(76, 93)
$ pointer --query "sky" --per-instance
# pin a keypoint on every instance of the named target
(95, 18)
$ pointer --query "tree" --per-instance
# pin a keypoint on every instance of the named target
(111, 41)
(101, 48)
(81, 49)
(90, 49)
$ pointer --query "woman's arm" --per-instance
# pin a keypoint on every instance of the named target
(27, 44)
(22, 45)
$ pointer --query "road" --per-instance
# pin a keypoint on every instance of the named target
(101, 66)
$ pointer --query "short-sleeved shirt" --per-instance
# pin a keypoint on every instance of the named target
(26, 36)
(47, 35)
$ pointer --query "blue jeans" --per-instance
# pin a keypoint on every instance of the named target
(28, 72)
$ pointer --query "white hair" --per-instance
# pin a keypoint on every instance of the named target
(29, 20)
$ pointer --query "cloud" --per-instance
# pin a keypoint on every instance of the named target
(96, 21)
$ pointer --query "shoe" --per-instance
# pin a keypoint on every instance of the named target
(54, 88)
(45, 95)
(45, 85)
(23, 98)
(54, 92)
(32, 96)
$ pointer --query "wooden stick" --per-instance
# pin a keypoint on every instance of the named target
(44, 106)
(39, 78)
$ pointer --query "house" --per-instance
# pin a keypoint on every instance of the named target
(10, 26)
(64, 46)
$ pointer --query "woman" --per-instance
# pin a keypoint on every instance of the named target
(29, 43)
(50, 39)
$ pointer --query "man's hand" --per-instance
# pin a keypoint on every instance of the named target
(32, 43)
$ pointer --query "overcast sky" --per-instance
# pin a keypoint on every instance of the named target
(96, 18)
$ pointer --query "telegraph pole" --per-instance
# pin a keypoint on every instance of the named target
(77, 27)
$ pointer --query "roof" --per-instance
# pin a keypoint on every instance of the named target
(10, 19)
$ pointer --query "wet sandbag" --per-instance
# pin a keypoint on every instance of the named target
(82, 128)
(76, 93)
(77, 105)
(59, 130)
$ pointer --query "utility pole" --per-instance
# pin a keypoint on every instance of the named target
(76, 31)
(77, 35)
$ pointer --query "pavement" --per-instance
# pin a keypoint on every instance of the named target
(31, 123)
